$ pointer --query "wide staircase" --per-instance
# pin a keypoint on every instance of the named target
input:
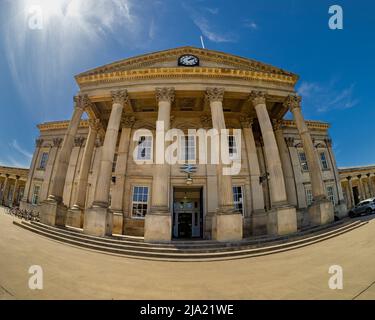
(205, 250)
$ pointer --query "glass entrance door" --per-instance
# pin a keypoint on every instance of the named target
(187, 213)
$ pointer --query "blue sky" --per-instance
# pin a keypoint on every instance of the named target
(336, 67)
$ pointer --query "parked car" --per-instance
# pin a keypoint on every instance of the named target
(364, 207)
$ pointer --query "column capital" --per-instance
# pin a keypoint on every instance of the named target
(18, 177)
(165, 94)
(289, 142)
(368, 175)
(127, 121)
(292, 102)
(57, 142)
(359, 176)
(82, 101)
(277, 124)
(38, 143)
(95, 124)
(215, 94)
(78, 141)
(246, 120)
(348, 178)
(257, 97)
(328, 142)
(120, 96)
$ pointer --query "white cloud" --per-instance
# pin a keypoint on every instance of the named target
(212, 10)
(22, 151)
(206, 29)
(250, 24)
(326, 97)
(42, 62)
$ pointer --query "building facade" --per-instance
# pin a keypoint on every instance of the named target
(358, 184)
(12, 185)
(103, 174)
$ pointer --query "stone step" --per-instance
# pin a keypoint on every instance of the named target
(154, 252)
(200, 243)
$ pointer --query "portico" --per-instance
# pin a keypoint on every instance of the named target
(114, 189)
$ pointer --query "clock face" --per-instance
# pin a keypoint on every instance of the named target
(188, 60)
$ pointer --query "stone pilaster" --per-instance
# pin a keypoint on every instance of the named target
(158, 223)
(282, 218)
(98, 219)
(53, 211)
(361, 188)
(351, 194)
(321, 211)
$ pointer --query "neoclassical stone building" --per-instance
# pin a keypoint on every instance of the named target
(358, 184)
(102, 173)
(12, 185)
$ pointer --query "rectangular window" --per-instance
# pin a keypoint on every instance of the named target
(43, 160)
(323, 161)
(331, 194)
(144, 148)
(309, 196)
(187, 148)
(238, 198)
(35, 198)
(303, 161)
(232, 144)
(140, 201)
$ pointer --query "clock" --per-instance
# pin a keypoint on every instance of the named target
(188, 60)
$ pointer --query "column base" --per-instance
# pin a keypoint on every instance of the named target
(282, 220)
(53, 213)
(259, 220)
(98, 222)
(118, 222)
(321, 212)
(158, 228)
(342, 210)
(75, 217)
(227, 227)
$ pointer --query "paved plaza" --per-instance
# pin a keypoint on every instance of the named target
(75, 273)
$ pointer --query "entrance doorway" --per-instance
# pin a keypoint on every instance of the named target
(187, 213)
(356, 195)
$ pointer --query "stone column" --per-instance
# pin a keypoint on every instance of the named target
(26, 194)
(5, 186)
(56, 143)
(76, 213)
(206, 123)
(227, 223)
(321, 211)
(285, 163)
(117, 202)
(258, 221)
(15, 191)
(158, 223)
(282, 218)
(98, 219)
(371, 185)
(53, 211)
(341, 205)
(361, 188)
(351, 194)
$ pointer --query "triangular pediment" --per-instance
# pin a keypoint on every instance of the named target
(169, 58)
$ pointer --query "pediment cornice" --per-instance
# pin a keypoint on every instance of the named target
(153, 63)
